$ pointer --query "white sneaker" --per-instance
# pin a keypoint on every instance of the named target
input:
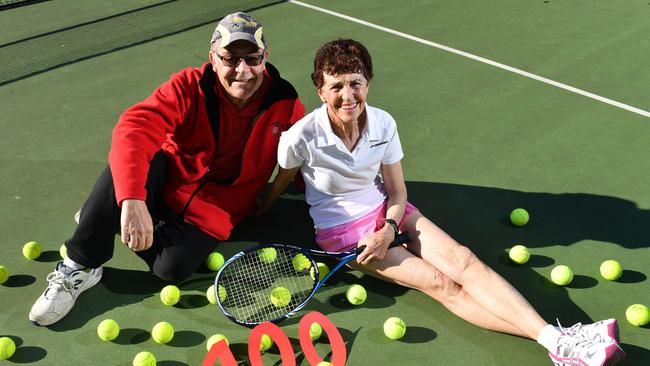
(59, 297)
(578, 351)
(601, 331)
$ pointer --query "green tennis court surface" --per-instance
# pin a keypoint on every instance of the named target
(547, 109)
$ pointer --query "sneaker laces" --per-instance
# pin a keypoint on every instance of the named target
(570, 330)
(58, 281)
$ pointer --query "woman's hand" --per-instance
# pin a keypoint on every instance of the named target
(376, 245)
(136, 224)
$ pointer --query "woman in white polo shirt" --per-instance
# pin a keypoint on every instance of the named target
(341, 148)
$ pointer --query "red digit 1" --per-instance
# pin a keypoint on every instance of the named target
(280, 339)
(339, 353)
(220, 351)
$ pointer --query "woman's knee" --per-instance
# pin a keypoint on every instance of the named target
(441, 287)
(461, 259)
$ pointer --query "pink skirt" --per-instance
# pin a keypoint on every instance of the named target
(344, 237)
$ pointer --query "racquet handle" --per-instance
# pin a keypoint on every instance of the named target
(401, 238)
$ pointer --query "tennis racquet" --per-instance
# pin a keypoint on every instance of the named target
(244, 284)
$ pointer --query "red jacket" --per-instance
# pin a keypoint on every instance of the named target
(181, 117)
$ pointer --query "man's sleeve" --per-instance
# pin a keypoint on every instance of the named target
(140, 133)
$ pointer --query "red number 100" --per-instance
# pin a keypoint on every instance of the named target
(220, 350)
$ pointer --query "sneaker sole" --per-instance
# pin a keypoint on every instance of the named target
(92, 282)
(613, 355)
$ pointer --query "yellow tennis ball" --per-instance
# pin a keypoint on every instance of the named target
(108, 330)
(301, 263)
(214, 261)
(266, 342)
(323, 270)
(63, 251)
(214, 339)
(212, 298)
(170, 295)
(611, 270)
(222, 293)
(7, 348)
(315, 331)
(394, 328)
(4, 274)
(356, 294)
(324, 363)
(267, 255)
(280, 297)
(144, 359)
(561, 275)
(637, 315)
(162, 332)
(519, 254)
(32, 250)
(519, 217)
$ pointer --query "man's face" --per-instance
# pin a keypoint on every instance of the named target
(240, 69)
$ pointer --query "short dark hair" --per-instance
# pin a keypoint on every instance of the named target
(341, 56)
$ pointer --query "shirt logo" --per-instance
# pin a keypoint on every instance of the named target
(379, 143)
(276, 129)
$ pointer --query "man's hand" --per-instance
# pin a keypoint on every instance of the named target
(137, 225)
(376, 245)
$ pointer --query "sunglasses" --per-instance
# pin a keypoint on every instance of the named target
(233, 61)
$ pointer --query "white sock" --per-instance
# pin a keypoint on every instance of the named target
(548, 337)
(72, 264)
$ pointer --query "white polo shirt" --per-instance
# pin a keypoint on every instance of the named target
(341, 185)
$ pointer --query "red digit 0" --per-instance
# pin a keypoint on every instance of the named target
(280, 339)
(339, 353)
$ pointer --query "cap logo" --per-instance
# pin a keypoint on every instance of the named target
(247, 23)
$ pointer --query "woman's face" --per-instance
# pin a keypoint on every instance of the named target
(345, 96)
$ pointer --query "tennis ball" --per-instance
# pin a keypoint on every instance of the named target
(356, 294)
(519, 217)
(170, 295)
(394, 328)
(301, 263)
(63, 251)
(216, 338)
(4, 274)
(32, 250)
(222, 293)
(315, 331)
(637, 315)
(561, 275)
(267, 255)
(212, 298)
(214, 261)
(162, 332)
(144, 359)
(519, 254)
(108, 330)
(323, 270)
(280, 297)
(7, 348)
(266, 342)
(324, 363)
(611, 270)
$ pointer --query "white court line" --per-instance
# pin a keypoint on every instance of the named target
(481, 59)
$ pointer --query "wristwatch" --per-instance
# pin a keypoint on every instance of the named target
(393, 224)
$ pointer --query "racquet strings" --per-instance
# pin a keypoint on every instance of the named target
(248, 282)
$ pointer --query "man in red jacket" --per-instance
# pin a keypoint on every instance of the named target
(185, 166)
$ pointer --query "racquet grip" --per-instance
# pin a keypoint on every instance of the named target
(401, 238)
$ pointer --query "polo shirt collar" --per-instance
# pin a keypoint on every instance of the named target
(325, 135)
